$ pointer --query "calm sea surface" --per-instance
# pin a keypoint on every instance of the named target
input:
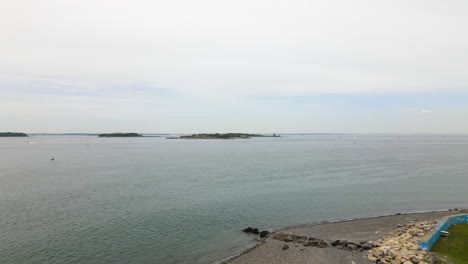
(154, 200)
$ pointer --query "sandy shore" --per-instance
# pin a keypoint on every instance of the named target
(270, 251)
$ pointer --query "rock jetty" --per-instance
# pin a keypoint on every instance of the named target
(402, 246)
(302, 241)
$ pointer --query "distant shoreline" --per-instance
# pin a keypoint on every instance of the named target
(283, 134)
(226, 136)
(114, 135)
(13, 134)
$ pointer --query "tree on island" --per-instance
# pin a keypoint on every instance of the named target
(121, 135)
(225, 136)
(12, 134)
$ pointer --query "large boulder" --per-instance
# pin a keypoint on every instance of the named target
(339, 243)
(264, 234)
(367, 246)
(251, 230)
(352, 246)
(248, 230)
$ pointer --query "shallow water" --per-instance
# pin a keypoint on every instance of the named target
(153, 200)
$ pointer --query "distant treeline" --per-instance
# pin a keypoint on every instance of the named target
(121, 135)
(12, 134)
(62, 134)
(225, 136)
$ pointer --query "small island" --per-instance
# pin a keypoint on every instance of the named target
(120, 135)
(226, 136)
(12, 134)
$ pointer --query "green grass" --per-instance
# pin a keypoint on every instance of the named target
(456, 246)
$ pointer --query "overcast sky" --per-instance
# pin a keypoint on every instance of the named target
(363, 66)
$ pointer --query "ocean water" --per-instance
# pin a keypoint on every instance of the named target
(154, 200)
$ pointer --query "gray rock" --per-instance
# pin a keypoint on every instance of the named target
(285, 247)
(248, 230)
(352, 246)
(339, 242)
(367, 246)
(264, 234)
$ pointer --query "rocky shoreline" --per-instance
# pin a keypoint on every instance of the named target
(386, 239)
(402, 246)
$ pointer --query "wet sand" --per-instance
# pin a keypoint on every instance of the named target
(371, 229)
